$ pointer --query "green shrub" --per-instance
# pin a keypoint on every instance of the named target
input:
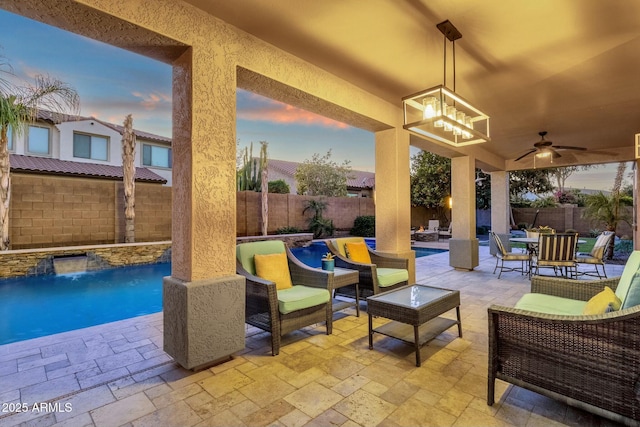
(364, 226)
(288, 230)
(544, 202)
(482, 230)
(279, 186)
(321, 227)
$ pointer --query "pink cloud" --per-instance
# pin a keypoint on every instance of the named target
(152, 100)
(265, 109)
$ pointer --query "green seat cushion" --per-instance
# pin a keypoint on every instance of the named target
(246, 251)
(391, 276)
(299, 297)
(550, 304)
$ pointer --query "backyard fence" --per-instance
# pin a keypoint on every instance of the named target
(49, 211)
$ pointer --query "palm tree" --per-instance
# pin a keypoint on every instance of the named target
(318, 225)
(19, 106)
(607, 209)
(128, 177)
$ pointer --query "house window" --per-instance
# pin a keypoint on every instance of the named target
(39, 140)
(10, 138)
(153, 155)
(90, 147)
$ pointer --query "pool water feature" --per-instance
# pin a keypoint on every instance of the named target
(36, 306)
(311, 255)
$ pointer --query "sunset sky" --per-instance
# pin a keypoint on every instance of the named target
(113, 83)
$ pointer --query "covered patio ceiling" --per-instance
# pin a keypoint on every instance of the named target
(567, 67)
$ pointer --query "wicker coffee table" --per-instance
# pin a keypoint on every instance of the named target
(414, 312)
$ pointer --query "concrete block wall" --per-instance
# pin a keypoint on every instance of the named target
(568, 217)
(286, 210)
(152, 209)
(50, 211)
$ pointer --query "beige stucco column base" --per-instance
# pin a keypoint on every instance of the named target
(203, 320)
(463, 254)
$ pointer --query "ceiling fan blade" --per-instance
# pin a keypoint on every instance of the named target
(533, 150)
(568, 147)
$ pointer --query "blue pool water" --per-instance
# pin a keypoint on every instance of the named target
(36, 306)
(312, 254)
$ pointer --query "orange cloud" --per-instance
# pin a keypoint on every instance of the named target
(264, 109)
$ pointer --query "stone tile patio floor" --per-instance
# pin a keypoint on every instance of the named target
(117, 374)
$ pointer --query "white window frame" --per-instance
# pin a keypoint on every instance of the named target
(153, 166)
(28, 136)
(91, 135)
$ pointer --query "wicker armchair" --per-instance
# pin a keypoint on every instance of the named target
(262, 304)
(371, 274)
(588, 361)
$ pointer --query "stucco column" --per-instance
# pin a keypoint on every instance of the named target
(463, 245)
(500, 208)
(393, 201)
(203, 299)
(636, 206)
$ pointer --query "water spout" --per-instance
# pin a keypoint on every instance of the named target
(70, 264)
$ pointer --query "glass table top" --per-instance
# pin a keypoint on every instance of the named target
(412, 296)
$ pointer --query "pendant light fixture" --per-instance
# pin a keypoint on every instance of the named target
(439, 113)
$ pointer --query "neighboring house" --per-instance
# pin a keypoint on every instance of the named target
(87, 146)
(359, 184)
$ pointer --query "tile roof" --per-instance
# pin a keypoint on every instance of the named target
(46, 165)
(54, 118)
(357, 179)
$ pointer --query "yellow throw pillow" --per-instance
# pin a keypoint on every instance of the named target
(274, 267)
(603, 302)
(358, 252)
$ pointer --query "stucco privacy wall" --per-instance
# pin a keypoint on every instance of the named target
(204, 105)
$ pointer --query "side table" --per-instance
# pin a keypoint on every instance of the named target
(345, 277)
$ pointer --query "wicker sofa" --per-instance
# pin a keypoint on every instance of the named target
(587, 361)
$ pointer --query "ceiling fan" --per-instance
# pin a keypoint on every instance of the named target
(545, 148)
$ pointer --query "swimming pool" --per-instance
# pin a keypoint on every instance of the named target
(312, 254)
(36, 306)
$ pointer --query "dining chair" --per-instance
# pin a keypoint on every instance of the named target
(557, 251)
(596, 256)
(503, 255)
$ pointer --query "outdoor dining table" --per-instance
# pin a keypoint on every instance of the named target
(534, 240)
(532, 243)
